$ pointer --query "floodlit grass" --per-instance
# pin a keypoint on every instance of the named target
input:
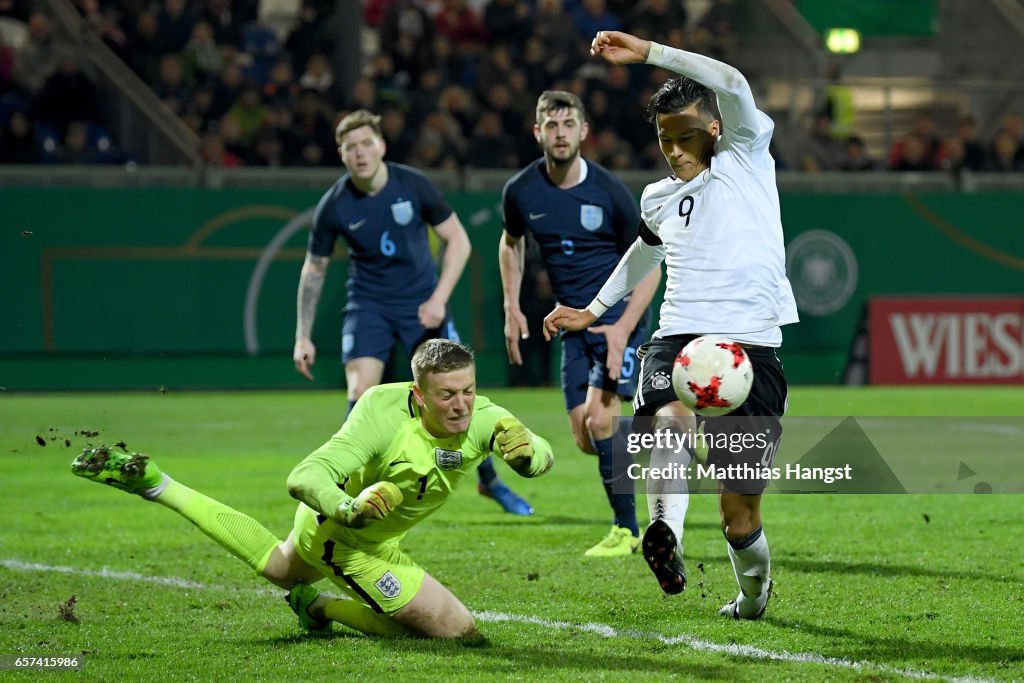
(901, 583)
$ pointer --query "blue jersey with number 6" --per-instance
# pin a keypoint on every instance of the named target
(386, 234)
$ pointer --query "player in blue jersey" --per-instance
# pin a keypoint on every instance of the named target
(584, 220)
(381, 211)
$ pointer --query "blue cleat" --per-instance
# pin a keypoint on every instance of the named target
(506, 497)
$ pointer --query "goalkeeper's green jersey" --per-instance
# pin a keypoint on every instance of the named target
(383, 439)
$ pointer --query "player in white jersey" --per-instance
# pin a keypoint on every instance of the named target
(715, 222)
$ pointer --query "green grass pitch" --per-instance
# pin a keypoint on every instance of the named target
(866, 587)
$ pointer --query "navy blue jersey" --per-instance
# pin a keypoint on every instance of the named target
(386, 234)
(582, 231)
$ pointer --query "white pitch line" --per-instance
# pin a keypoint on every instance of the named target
(603, 630)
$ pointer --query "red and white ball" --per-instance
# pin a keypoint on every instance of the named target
(712, 375)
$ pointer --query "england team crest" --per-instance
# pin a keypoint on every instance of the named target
(591, 216)
(389, 585)
(447, 460)
(402, 212)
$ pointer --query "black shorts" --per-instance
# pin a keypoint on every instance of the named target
(759, 415)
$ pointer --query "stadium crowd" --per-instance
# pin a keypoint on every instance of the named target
(454, 80)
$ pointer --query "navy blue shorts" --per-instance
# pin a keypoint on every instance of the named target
(372, 330)
(760, 413)
(584, 355)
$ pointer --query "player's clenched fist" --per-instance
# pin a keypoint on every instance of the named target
(513, 440)
(374, 502)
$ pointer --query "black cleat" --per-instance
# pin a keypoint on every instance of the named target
(663, 555)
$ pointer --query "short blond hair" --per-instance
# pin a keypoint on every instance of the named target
(358, 119)
(439, 356)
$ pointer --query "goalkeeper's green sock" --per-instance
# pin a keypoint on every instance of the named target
(239, 534)
(360, 617)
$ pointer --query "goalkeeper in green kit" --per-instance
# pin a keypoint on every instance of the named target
(403, 450)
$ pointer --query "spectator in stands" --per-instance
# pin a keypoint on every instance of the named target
(490, 146)
(1014, 123)
(267, 150)
(145, 46)
(175, 22)
(6, 66)
(1005, 156)
(76, 148)
(974, 150)
(592, 16)
(915, 155)
(309, 37)
(14, 9)
(819, 150)
(652, 17)
(202, 57)
(68, 95)
(462, 25)
(249, 111)
(18, 140)
(363, 95)
(318, 75)
(281, 86)
(558, 41)
(215, 154)
(495, 68)
(231, 134)
(170, 86)
(399, 137)
(36, 60)
(923, 131)
(312, 122)
(227, 19)
(855, 156)
(508, 22)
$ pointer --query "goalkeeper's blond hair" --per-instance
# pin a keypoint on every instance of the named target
(440, 356)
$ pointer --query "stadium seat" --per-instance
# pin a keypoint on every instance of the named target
(48, 140)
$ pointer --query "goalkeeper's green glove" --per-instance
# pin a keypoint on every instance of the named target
(375, 502)
(513, 441)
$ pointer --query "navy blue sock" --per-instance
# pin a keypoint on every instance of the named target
(351, 405)
(485, 471)
(613, 472)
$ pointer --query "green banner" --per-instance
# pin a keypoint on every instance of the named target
(168, 274)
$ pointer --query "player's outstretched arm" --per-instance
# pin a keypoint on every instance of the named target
(457, 249)
(525, 452)
(311, 284)
(735, 99)
(511, 263)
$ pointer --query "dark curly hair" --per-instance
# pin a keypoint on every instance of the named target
(679, 93)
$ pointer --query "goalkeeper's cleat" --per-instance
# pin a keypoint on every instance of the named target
(618, 542)
(299, 599)
(505, 497)
(664, 557)
(131, 472)
(747, 608)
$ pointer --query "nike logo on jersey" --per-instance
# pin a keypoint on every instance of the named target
(535, 216)
(399, 462)
(355, 226)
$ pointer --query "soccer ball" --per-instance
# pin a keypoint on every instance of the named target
(712, 375)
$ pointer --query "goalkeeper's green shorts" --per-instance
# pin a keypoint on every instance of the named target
(379, 575)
